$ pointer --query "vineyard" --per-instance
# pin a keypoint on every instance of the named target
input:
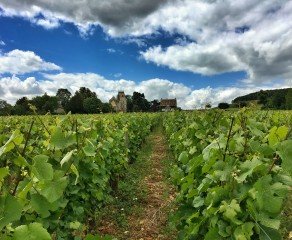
(232, 172)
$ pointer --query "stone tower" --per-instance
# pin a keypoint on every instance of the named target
(119, 104)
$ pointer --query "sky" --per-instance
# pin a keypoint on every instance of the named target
(198, 51)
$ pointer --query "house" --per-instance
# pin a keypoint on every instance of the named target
(119, 103)
(168, 104)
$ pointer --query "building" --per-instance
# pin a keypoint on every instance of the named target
(60, 109)
(168, 104)
(119, 103)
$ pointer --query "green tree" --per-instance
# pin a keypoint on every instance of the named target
(288, 99)
(106, 108)
(208, 105)
(63, 96)
(21, 107)
(277, 101)
(140, 103)
(262, 97)
(92, 105)
(129, 103)
(45, 103)
(5, 108)
(75, 104)
(223, 105)
(154, 106)
(86, 93)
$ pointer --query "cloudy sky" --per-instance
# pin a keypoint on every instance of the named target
(198, 51)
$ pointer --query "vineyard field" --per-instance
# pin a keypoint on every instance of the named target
(231, 171)
(56, 172)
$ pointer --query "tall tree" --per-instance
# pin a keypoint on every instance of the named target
(92, 105)
(63, 96)
(86, 93)
(129, 103)
(45, 103)
(75, 104)
(289, 99)
(223, 105)
(106, 108)
(140, 103)
(5, 108)
(21, 107)
(154, 106)
(277, 101)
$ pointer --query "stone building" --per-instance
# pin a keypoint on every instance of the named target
(168, 104)
(119, 103)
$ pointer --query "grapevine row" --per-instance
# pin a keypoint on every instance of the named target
(233, 172)
(56, 172)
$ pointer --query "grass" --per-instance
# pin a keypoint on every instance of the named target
(286, 220)
(131, 201)
(130, 194)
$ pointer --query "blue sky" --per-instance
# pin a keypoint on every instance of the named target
(160, 49)
(98, 53)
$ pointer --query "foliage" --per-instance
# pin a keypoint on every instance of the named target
(140, 103)
(21, 107)
(75, 104)
(223, 105)
(5, 108)
(129, 103)
(208, 105)
(83, 101)
(275, 99)
(79, 104)
(154, 106)
(288, 99)
(92, 105)
(56, 172)
(233, 172)
(106, 108)
(45, 103)
(63, 96)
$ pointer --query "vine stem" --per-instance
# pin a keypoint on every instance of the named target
(76, 130)
(274, 162)
(27, 138)
(38, 117)
(19, 178)
(228, 138)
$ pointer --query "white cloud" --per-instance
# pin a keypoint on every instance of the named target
(111, 50)
(20, 62)
(13, 88)
(252, 36)
(132, 40)
(114, 15)
(207, 60)
(2, 43)
(217, 36)
(48, 23)
(117, 75)
(115, 51)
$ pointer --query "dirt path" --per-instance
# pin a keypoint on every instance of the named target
(151, 222)
(147, 184)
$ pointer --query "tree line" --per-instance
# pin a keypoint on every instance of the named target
(84, 101)
(269, 99)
